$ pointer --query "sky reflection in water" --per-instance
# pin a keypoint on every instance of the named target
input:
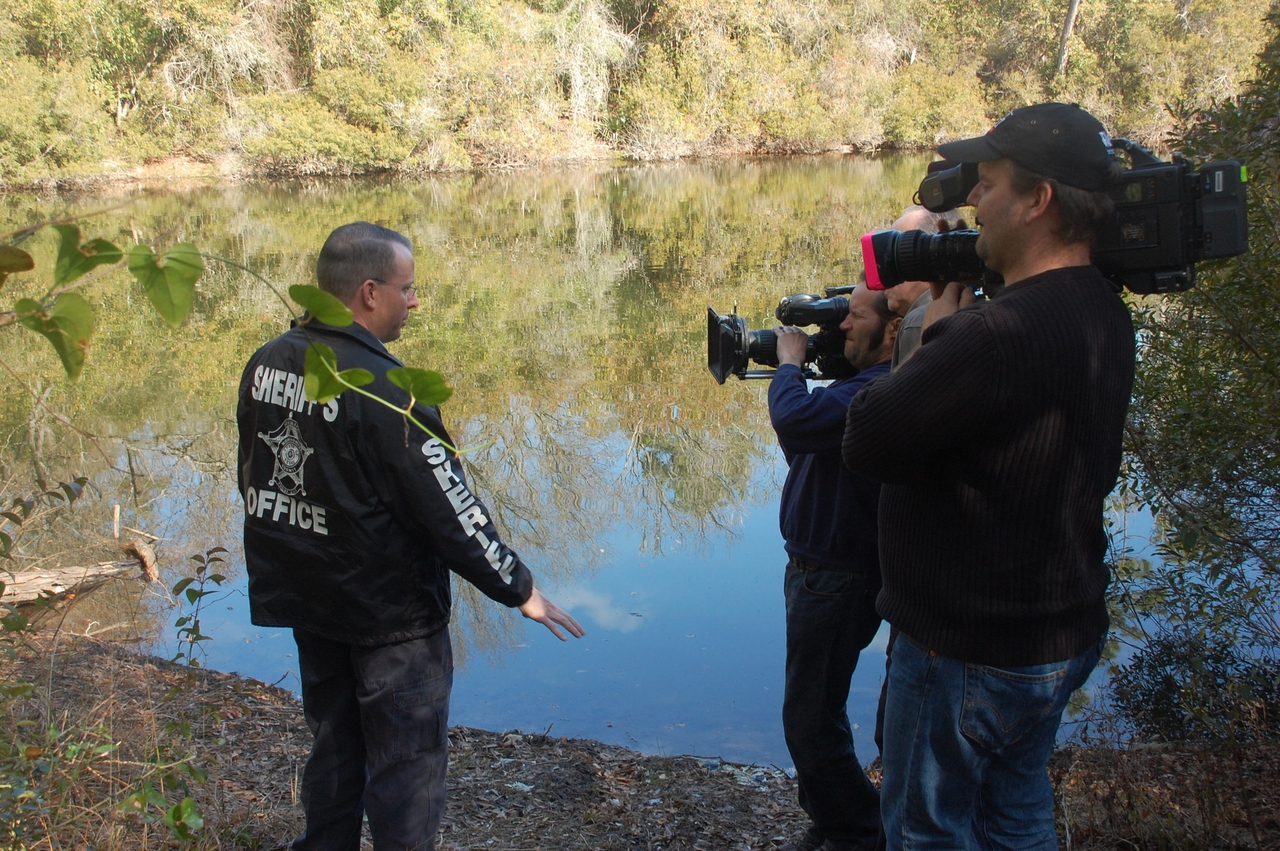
(683, 654)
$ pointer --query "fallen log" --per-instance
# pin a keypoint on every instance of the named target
(29, 585)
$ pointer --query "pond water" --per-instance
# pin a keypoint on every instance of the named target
(567, 309)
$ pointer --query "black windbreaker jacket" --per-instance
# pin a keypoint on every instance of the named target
(353, 516)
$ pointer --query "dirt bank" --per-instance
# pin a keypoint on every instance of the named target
(513, 791)
(506, 790)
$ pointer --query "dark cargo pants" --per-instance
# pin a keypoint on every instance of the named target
(379, 717)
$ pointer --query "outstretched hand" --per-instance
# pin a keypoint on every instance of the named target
(539, 608)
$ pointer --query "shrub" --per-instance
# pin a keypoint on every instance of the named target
(855, 85)
(930, 106)
(650, 118)
(295, 134)
(376, 100)
(51, 122)
(1202, 439)
(1188, 688)
(347, 34)
(501, 96)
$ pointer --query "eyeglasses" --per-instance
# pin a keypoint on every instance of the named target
(406, 290)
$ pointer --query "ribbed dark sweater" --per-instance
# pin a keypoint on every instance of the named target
(998, 442)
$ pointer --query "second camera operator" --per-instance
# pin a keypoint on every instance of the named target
(828, 519)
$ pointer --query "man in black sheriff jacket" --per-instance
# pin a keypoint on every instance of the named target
(353, 520)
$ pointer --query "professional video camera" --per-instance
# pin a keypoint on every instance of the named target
(1167, 218)
(730, 346)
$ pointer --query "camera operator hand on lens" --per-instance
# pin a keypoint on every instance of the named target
(791, 345)
(944, 301)
(947, 299)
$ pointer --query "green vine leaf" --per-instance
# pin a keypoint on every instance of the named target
(14, 260)
(68, 326)
(323, 306)
(169, 280)
(425, 386)
(75, 259)
(184, 819)
(321, 378)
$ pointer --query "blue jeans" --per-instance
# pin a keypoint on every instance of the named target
(967, 747)
(831, 617)
(380, 721)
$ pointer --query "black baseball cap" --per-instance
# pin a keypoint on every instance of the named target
(1058, 140)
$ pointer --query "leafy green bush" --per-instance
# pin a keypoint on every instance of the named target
(650, 117)
(931, 106)
(51, 121)
(394, 96)
(1183, 687)
(295, 134)
(502, 97)
(346, 34)
(855, 82)
(196, 127)
(1202, 438)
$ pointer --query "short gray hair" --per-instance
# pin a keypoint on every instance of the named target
(355, 253)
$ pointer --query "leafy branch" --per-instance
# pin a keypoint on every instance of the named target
(65, 318)
(324, 381)
(67, 323)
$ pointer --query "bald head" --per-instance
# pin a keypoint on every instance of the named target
(916, 217)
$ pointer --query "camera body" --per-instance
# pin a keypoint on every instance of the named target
(731, 347)
(1167, 217)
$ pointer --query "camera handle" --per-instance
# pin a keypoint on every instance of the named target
(806, 371)
(1139, 156)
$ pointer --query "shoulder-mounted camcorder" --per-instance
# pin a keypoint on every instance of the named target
(730, 346)
(1167, 217)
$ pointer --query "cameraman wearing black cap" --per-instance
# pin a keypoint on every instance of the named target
(991, 531)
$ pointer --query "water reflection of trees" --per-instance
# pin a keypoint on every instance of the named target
(566, 308)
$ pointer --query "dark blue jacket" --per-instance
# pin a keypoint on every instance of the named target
(828, 514)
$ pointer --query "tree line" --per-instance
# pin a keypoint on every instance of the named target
(293, 87)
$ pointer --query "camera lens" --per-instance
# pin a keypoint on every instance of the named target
(891, 257)
(762, 346)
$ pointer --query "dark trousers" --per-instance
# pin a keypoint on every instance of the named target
(831, 617)
(380, 721)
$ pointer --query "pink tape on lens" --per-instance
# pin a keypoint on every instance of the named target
(869, 263)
